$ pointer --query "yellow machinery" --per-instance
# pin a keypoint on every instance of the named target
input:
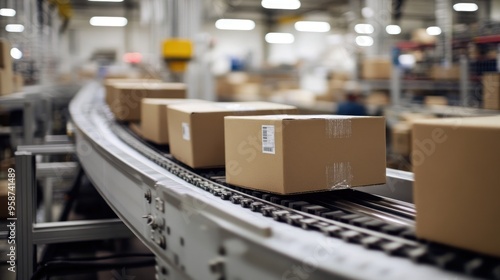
(177, 53)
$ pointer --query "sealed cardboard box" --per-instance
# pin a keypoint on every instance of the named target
(376, 68)
(295, 154)
(6, 72)
(126, 98)
(491, 91)
(435, 100)
(401, 138)
(378, 98)
(196, 130)
(109, 85)
(439, 72)
(4, 198)
(456, 188)
(154, 125)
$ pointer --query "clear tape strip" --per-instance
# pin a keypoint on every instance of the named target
(339, 176)
(339, 128)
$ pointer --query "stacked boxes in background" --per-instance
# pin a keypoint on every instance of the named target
(439, 72)
(125, 98)
(401, 132)
(456, 191)
(154, 117)
(6, 72)
(272, 153)
(491, 91)
(376, 69)
(196, 130)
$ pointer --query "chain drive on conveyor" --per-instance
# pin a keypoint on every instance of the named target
(335, 220)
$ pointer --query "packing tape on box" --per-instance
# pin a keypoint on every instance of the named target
(338, 127)
(339, 176)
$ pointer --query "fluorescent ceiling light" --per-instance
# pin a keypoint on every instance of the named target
(279, 38)
(14, 28)
(465, 7)
(364, 41)
(433, 30)
(7, 12)
(364, 28)
(105, 0)
(108, 21)
(16, 53)
(235, 24)
(312, 26)
(393, 29)
(281, 4)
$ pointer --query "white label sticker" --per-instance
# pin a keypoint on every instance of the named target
(185, 132)
(268, 139)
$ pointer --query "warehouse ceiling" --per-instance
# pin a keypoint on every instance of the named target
(423, 10)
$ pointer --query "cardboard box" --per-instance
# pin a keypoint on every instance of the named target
(154, 125)
(401, 138)
(377, 98)
(439, 72)
(126, 98)
(376, 68)
(109, 85)
(196, 130)
(17, 82)
(6, 72)
(491, 91)
(456, 186)
(296, 154)
(435, 100)
(4, 199)
(422, 37)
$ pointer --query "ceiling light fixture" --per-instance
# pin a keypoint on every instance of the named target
(281, 4)
(433, 30)
(393, 29)
(312, 26)
(364, 28)
(235, 24)
(16, 53)
(279, 38)
(14, 28)
(105, 0)
(465, 7)
(364, 41)
(108, 21)
(5, 12)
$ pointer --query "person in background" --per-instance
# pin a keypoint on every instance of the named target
(352, 104)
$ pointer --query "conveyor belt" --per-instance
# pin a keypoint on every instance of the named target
(372, 221)
(201, 228)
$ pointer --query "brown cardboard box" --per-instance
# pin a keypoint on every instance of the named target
(422, 37)
(295, 154)
(491, 91)
(376, 68)
(378, 98)
(109, 85)
(401, 138)
(456, 186)
(126, 98)
(439, 72)
(435, 100)
(154, 117)
(6, 72)
(4, 199)
(196, 130)
(17, 82)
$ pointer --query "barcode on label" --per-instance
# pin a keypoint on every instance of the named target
(186, 135)
(268, 139)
